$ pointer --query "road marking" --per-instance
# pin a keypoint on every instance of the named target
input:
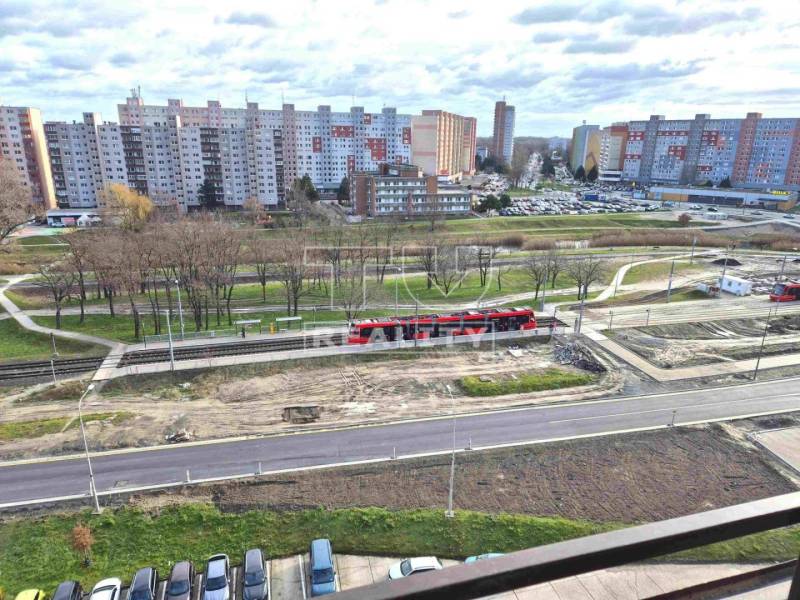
(668, 409)
(302, 575)
(367, 461)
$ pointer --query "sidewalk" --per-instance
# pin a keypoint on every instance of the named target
(25, 321)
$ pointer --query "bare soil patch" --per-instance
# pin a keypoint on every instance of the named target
(626, 478)
(223, 403)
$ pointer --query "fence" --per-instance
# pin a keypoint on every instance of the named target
(190, 335)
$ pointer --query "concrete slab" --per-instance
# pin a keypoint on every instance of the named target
(354, 571)
(535, 592)
(670, 577)
(571, 588)
(776, 591)
(380, 567)
(783, 443)
(287, 582)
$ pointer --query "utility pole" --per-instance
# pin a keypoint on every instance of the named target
(691, 256)
(53, 343)
(763, 339)
(449, 513)
(92, 486)
(180, 307)
(783, 267)
(669, 285)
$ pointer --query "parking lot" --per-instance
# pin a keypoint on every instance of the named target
(289, 580)
(570, 203)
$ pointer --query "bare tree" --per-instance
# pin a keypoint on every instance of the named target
(536, 269)
(15, 199)
(355, 292)
(80, 245)
(585, 271)
(292, 270)
(261, 255)
(451, 266)
(484, 259)
(555, 266)
(58, 279)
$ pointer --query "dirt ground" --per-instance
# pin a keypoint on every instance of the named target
(630, 477)
(705, 342)
(224, 403)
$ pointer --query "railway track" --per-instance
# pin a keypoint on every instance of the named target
(141, 357)
(41, 369)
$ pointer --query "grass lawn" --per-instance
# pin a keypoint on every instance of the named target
(34, 240)
(550, 379)
(37, 552)
(515, 192)
(658, 270)
(39, 427)
(573, 223)
(17, 343)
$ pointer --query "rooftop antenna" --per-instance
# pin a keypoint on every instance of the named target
(245, 96)
(139, 91)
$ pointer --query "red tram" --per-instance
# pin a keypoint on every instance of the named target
(422, 327)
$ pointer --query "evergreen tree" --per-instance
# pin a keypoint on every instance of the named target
(593, 173)
(580, 174)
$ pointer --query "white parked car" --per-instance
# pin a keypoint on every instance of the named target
(412, 566)
(107, 589)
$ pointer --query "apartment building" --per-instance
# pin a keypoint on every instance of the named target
(585, 147)
(404, 190)
(444, 144)
(753, 153)
(258, 152)
(613, 140)
(75, 161)
(22, 141)
(503, 138)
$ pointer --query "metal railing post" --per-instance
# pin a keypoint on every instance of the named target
(794, 591)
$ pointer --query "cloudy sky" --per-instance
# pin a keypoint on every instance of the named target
(558, 61)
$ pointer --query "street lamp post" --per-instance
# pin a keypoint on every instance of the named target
(763, 339)
(171, 349)
(449, 513)
(669, 286)
(92, 486)
(180, 307)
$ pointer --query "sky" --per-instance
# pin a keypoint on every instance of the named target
(559, 62)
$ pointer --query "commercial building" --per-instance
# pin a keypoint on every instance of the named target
(731, 197)
(22, 141)
(503, 138)
(752, 153)
(585, 147)
(444, 144)
(404, 190)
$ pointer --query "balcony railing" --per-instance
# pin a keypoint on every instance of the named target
(584, 555)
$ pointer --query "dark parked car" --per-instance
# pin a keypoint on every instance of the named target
(68, 590)
(218, 578)
(181, 581)
(144, 584)
(255, 575)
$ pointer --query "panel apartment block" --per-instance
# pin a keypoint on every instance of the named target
(753, 152)
(23, 142)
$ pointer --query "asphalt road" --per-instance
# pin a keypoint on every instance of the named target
(147, 467)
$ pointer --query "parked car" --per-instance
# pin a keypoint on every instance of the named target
(472, 559)
(323, 575)
(255, 575)
(107, 589)
(788, 217)
(68, 590)
(180, 582)
(31, 595)
(712, 209)
(412, 566)
(218, 577)
(144, 584)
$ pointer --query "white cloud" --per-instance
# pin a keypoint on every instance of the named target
(558, 62)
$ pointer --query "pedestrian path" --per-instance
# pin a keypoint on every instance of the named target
(25, 321)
